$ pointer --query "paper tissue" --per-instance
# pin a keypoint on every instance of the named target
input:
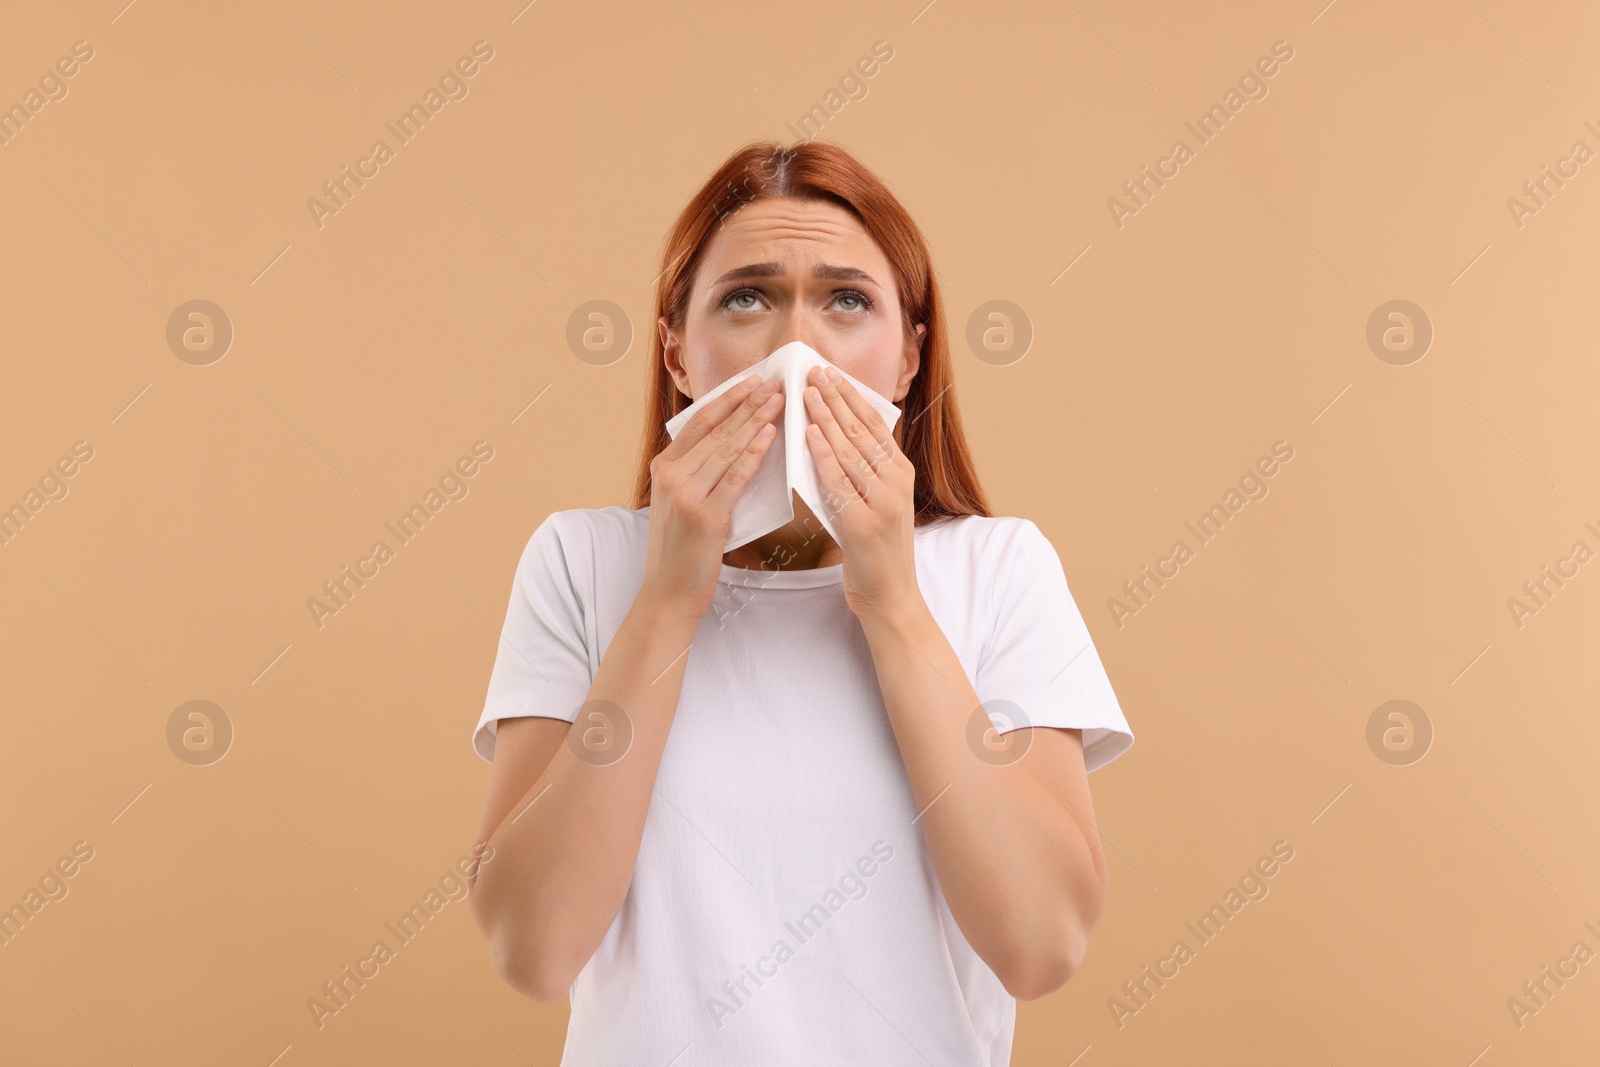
(765, 504)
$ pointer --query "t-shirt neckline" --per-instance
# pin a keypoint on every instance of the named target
(788, 578)
(772, 577)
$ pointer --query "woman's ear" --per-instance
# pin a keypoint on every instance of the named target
(910, 363)
(672, 356)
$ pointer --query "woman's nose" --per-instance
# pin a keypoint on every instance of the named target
(796, 326)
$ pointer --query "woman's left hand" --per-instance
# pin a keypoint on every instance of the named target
(867, 483)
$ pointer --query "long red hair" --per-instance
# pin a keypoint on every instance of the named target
(931, 437)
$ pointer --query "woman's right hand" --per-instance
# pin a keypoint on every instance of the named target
(694, 483)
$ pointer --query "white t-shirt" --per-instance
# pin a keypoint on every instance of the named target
(784, 909)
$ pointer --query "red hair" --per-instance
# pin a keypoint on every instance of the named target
(929, 425)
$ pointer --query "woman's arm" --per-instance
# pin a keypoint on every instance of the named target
(566, 828)
(1014, 844)
(566, 831)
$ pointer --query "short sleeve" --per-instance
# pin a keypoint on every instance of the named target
(542, 666)
(1041, 658)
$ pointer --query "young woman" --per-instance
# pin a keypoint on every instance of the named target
(805, 802)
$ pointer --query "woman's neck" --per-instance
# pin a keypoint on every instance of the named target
(800, 545)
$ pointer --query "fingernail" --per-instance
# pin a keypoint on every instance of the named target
(833, 375)
(750, 382)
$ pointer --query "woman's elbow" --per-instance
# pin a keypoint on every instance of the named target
(1048, 959)
(520, 961)
(1039, 978)
(1046, 966)
(525, 971)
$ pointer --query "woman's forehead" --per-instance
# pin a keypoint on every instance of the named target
(780, 229)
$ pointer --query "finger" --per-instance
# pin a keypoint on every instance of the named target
(729, 441)
(709, 416)
(840, 491)
(738, 475)
(863, 443)
(718, 438)
(846, 455)
(874, 424)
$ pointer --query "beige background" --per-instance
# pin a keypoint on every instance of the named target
(1228, 314)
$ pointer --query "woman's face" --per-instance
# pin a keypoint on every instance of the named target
(782, 270)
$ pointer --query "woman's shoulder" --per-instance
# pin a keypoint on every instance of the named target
(980, 533)
(592, 521)
(985, 549)
(589, 533)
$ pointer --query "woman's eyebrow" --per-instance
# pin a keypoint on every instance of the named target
(822, 270)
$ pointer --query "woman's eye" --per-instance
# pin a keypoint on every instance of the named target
(749, 299)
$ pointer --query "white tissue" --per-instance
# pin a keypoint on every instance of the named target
(765, 504)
